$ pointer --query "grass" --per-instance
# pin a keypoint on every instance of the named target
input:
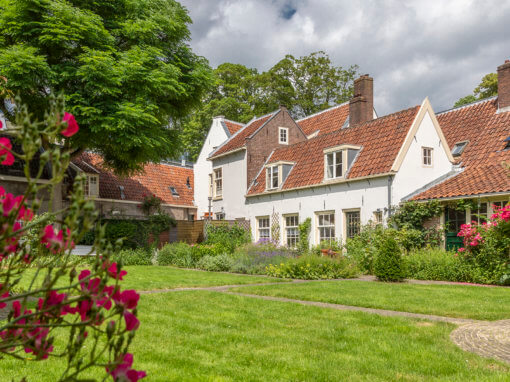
(159, 277)
(483, 303)
(207, 336)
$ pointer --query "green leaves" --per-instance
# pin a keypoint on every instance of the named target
(488, 87)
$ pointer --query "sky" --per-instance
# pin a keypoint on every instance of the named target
(412, 49)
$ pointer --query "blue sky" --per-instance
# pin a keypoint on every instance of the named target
(413, 49)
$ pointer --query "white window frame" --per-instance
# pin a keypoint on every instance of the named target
(291, 232)
(346, 222)
(378, 217)
(218, 191)
(285, 131)
(220, 215)
(88, 190)
(427, 156)
(263, 228)
(330, 226)
(474, 212)
(273, 173)
(334, 155)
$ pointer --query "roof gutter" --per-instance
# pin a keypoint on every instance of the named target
(486, 195)
(135, 202)
(227, 153)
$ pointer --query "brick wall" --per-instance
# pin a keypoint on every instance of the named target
(266, 140)
(504, 85)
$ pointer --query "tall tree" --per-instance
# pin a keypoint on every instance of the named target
(488, 87)
(124, 66)
(305, 85)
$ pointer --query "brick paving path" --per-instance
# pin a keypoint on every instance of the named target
(486, 338)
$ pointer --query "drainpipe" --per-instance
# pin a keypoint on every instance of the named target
(390, 183)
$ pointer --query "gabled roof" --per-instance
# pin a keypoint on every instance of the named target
(380, 141)
(232, 126)
(155, 179)
(486, 130)
(238, 140)
(325, 121)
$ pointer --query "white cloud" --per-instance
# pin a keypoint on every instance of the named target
(413, 49)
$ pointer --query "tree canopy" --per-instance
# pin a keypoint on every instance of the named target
(124, 66)
(488, 87)
(305, 85)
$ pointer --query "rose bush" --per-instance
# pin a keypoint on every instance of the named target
(98, 318)
(487, 246)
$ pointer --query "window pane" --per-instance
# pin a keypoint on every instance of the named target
(353, 223)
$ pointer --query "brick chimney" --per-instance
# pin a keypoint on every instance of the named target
(361, 106)
(504, 86)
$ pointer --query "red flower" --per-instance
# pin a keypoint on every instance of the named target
(72, 125)
(55, 242)
(123, 371)
(132, 323)
(112, 270)
(5, 146)
(127, 299)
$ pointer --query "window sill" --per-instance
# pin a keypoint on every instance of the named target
(216, 198)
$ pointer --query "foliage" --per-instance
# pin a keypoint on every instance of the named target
(413, 214)
(488, 87)
(179, 254)
(125, 67)
(227, 236)
(140, 256)
(438, 264)
(487, 246)
(151, 204)
(363, 248)
(253, 258)
(304, 228)
(305, 85)
(388, 265)
(88, 310)
(311, 267)
(220, 263)
(330, 245)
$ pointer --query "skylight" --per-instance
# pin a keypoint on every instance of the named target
(173, 191)
(459, 148)
(122, 195)
(507, 147)
(188, 183)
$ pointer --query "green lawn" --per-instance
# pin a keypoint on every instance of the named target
(208, 336)
(475, 302)
(158, 277)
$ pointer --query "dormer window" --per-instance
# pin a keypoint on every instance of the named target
(92, 185)
(507, 146)
(338, 160)
(283, 135)
(427, 156)
(272, 179)
(173, 191)
(459, 147)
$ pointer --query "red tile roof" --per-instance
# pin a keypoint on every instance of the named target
(481, 160)
(238, 140)
(380, 140)
(233, 127)
(155, 179)
(325, 121)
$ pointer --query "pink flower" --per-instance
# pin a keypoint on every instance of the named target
(127, 299)
(9, 202)
(72, 125)
(55, 242)
(123, 371)
(132, 323)
(113, 272)
(5, 146)
(4, 295)
(461, 249)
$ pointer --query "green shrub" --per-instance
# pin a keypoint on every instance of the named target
(410, 238)
(311, 267)
(304, 234)
(363, 248)
(388, 265)
(438, 264)
(332, 245)
(131, 231)
(229, 237)
(179, 254)
(140, 256)
(220, 263)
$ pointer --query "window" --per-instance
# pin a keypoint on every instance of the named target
(352, 224)
(191, 217)
(326, 226)
(499, 205)
(479, 214)
(210, 185)
(291, 230)
(220, 216)
(283, 134)
(218, 182)
(507, 146)
(122, 194)
(272, 180)
(427, 156)
(459, 148)
(334, 168)
(188, 183)
(92, 185)
(173, 191)
(378, 217)
(263, 230)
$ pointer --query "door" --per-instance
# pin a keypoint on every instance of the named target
(454, 219)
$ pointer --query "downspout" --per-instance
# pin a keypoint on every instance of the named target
(390, 184)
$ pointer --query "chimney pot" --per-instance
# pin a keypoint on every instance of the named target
(504, 86)
(361, 106)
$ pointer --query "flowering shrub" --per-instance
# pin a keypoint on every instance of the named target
(487, 246)
(98, 317)
(313, 267)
